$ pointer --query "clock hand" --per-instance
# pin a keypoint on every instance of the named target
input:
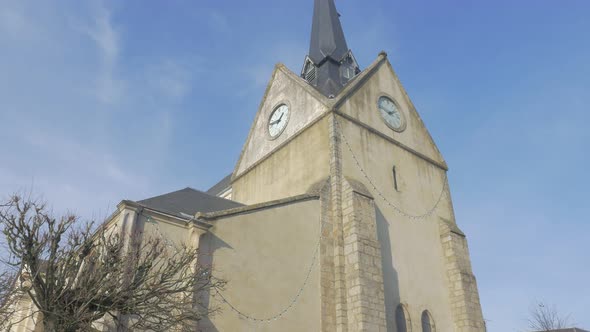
(278, 120)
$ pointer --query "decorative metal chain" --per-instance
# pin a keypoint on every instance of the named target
(293, 300)
(234, 308)
(380, 194)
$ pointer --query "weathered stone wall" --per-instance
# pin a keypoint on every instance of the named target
(336, 179)
(415, 265)
(358, 282)
(363, 232)
(412, 257)
(362, 251)
(305, 105)
(289, 171)
(265, 254)
(463, 292)
(327, 262)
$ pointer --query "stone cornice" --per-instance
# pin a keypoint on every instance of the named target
(279, 67)
(255, 207)
(401, 145)
(164, 215)
(280, 146)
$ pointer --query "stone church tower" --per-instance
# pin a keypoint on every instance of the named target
(338, 214)
(391, 256)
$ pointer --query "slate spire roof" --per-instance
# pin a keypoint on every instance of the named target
(327, 37)
(330, 64)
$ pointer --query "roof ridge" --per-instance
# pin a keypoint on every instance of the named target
(221, 185)
(177, 191)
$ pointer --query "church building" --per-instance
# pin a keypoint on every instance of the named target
(338, 214)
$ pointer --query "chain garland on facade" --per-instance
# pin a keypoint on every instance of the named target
(293, 300)
(233, 307)
(380, 194)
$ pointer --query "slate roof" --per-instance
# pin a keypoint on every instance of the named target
(188, 201)
(220, 186)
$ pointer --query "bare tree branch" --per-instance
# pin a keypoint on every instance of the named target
(77, 278)
(544, 317)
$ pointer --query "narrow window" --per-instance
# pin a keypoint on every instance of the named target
(402, 319)
(427, 322)
(395, 179)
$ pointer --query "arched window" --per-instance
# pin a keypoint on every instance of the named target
(427, 322)
(402, 319)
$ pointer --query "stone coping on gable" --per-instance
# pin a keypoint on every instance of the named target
(202, 220)
(256, 207)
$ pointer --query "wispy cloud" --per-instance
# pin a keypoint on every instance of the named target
(171, 78)
(95, 162)
(79, 158)
(71, 174)
(101, 30)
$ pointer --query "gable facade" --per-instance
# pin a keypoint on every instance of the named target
(387, 242)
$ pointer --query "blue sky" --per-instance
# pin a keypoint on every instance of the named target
(108, 100)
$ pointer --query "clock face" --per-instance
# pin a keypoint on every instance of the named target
(391, 114)
(278, 120)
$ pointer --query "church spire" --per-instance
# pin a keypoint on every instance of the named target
(330, 64)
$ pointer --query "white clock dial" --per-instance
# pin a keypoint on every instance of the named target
(278, 120)
(391, 113)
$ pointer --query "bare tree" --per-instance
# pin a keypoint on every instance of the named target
(77, 278)
(546, 318)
